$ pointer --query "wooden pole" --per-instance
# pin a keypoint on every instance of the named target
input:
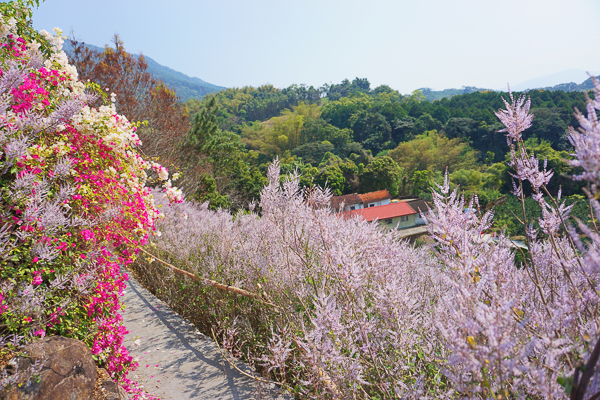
(210, 282)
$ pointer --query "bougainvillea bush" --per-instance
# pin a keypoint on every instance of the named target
(339, 308)
(73, 203)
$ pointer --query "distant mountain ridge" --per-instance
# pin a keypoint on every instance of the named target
(574, 87)
(432, 95)
(551, 80)
(185, 86)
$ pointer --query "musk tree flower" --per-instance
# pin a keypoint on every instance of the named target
(516, 117)
(528, 169)
(586, 141)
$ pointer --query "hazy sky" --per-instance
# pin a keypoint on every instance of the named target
(405, 44)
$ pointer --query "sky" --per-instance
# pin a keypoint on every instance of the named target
(406, 44)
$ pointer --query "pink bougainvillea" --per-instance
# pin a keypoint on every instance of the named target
(76, 206)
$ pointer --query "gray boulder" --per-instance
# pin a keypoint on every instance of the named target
(56, 368)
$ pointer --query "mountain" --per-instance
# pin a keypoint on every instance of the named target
(587, 84)
(552, 80)
(185, 86)
(432, 95)
(574, 87)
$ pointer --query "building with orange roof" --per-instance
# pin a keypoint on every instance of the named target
(378, 198)
(346, 202)
(358, 201)
(394, 215)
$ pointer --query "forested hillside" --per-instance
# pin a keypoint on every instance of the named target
(354, 138)
(185, 86)
(347, 136)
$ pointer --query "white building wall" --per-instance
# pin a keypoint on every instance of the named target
(419, 220)
(378, 203)
(356, 206)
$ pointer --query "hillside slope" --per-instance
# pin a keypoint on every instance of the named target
(185, 86)
(432, 95)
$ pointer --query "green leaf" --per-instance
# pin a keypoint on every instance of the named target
(566, 382)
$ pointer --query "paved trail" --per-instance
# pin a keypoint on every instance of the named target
(176, 361)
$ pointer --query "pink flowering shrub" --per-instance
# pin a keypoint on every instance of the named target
(74, 206)
(346, 310)
(343, 307)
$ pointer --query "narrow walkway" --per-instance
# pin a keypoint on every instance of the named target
(175, 360)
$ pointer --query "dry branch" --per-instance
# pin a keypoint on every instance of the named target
(210, 282)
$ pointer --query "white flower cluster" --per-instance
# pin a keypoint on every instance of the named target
(173, 194)
(163, 173)
(59, 61)
(120, 135)
(7, 27)
(118, 132)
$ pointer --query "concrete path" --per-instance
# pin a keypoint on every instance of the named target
(175, 360)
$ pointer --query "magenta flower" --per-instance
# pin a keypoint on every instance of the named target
(87, 235)
(37, 278)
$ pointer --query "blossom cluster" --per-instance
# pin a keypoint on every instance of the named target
(74, 205)
(345, 310)
(344, 315)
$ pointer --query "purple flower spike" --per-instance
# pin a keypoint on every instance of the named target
(516, 117)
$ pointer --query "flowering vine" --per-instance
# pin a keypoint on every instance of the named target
(74, 205)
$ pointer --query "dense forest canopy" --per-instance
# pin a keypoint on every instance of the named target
(354, 138)
(348, 136)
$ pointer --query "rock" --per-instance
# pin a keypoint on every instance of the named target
(63, 369)
(109, 389)
(112, 390)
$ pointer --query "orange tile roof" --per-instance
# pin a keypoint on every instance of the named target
(382, 212)
(372, 197)
(348, 200)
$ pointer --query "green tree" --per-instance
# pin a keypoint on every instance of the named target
(332, 177)
(348, 169)
(208, 192)
(338, 113)
(381, 173)
(403, 129)
(550, 124)
(422, 181)
(218, 147)
(226, 179)
(370, 129)
(308, 175)
(312, 153)
(205, 124)
(434, 151)
(355, 152)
